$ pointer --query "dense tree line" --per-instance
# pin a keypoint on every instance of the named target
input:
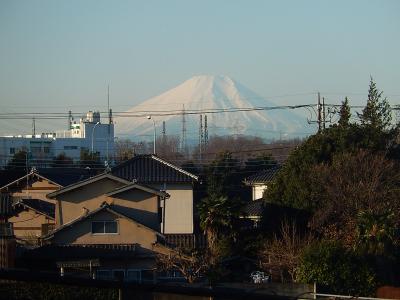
(348, 177)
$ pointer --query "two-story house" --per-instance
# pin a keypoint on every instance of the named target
(113, 223)
(178, 211)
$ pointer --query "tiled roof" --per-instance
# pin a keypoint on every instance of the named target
(263, 176)
(254, 208)
(152, 169)
(76, 252)
(60, 177)
(38, 205)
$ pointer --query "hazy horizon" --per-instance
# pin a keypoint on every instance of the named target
(61, 55)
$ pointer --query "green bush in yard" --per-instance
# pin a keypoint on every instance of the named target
(336, 270)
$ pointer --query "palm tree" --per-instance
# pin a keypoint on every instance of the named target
(375, 232)
(214, 218)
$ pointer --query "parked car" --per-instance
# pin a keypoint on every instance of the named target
(259, 277)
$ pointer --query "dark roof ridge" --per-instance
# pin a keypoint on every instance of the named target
(33, 172)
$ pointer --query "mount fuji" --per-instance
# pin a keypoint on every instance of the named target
(210, 93)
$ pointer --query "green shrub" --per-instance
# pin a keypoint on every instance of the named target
(337, 270)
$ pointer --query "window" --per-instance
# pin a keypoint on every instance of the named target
(12, 150)
(119, 274)
(70, 147)
(104, 227)
(103, 274)
(133, 275)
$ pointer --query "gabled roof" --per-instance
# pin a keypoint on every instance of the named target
(85, 182)
(23, 179)
(152, 169)
(40, 206)
(263, 176)
(139, 187)
(104, 207)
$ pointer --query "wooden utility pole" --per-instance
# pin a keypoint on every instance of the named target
(319, 108)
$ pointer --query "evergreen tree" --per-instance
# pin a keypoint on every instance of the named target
(377, 113)
(344, 113)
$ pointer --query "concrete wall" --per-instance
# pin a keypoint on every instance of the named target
(178, 208)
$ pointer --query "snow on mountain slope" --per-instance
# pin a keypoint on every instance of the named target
(208, 92)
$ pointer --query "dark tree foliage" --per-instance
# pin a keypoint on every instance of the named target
(337, 270)
(62, 160)
(223, 176)
(293, 187)
(90, 160)
(344, 113)
(377, 113)
(259, 163)
(18, 161)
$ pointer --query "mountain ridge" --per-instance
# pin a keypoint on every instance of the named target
(204, 92)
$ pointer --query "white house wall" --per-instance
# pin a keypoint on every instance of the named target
(178, 209)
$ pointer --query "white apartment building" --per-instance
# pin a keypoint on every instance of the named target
(89, 134)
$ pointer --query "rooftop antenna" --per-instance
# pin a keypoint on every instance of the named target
(69, 125)
(33, 127)
(109, 120)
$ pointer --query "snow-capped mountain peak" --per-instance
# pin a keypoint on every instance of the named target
(210, 92)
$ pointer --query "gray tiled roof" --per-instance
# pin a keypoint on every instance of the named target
(263, 176)
(152, 169)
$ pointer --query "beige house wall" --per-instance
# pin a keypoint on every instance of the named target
(69, 205)
(129, 232)
(178, 208)
(28, 224)
(140, 205)
(38, 190)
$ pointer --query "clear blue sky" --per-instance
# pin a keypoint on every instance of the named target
(62, 54)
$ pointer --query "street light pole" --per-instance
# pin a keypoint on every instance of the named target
(154, 134)
(93, 135)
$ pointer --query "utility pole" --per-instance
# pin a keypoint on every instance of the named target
(183, 135)
(319, 120)
(205, 132)
(323, 113)
(200, 136)
(69, 125)
(164, 134)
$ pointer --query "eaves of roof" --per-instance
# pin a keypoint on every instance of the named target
(32, 173)
(139, 187)
(85, 182)
(103, 207)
